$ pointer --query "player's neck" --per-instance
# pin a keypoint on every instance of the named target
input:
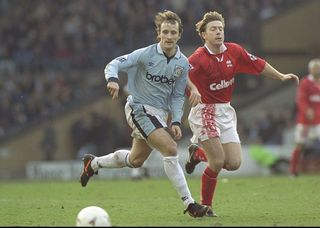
(169, 52)
(214, 49)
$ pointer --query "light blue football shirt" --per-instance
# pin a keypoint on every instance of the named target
(152, 80)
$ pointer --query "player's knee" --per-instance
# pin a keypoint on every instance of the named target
(216, 164)
(231, 166)
(170, 149)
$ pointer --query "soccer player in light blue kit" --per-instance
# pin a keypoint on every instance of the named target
(157, 78)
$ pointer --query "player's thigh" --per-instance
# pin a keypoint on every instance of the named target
(144, 119)
(301, 133)
(140, 151)
(214, 153)
(161, 140)
(233, 155)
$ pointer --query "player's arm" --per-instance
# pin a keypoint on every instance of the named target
(195, 96)
(121, 63)
(177, 101)
(271, 72)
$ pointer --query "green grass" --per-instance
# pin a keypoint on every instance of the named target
(251, 201)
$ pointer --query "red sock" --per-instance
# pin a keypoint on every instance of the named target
(200, 155)
(295, 157)
(208, 186)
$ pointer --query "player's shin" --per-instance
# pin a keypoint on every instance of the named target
(208, 186)
(118, 159)
(177, 178)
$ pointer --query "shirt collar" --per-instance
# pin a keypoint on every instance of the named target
(223, 48)
(160, 51)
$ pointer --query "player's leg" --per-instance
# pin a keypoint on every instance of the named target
(301, 135)
(233, 156)
(161, 140)
(196, 123)
(294, 160)
(196, 155)
(215, 155)
(134, 158)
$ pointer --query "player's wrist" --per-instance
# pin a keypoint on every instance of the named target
(176, 123)
(113, 79)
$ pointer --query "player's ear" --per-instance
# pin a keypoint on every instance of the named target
(202, 35)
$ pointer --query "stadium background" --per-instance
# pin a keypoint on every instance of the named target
(53, 103)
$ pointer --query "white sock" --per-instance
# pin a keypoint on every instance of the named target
(118, 159)
(177, 178)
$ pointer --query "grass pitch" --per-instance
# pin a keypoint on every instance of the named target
(245, 201)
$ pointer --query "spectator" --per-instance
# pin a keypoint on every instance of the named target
(49, 140)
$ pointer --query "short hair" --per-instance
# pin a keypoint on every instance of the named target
(208, 17)
(313, 62)
(167, 16)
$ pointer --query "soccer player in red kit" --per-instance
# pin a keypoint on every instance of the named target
(214, 122)
(308, 113)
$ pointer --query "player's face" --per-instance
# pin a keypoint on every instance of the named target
(169, 36)
(214, 33)
(315, 71)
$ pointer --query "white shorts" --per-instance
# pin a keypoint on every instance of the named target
(213, 120)
(144, 119)
(303, 133)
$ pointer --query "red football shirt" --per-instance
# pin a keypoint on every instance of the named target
(308, 96)
(213, 74)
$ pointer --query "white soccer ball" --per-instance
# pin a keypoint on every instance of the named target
(93, 216)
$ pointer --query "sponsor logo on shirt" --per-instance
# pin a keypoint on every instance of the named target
(159, 78)
(223, 84)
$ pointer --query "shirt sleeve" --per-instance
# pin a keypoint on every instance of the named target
(122, 63)
(178, 97)
(250, 64)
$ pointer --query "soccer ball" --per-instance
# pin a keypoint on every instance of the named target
(93, 216)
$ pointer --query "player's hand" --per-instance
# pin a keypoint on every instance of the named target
(176, 131)
(291, 77)
(309, 114)
(194, 98)
(113, 89)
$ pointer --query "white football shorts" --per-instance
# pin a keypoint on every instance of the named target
(303, 133)
(213, 120)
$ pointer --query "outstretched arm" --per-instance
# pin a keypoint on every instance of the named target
(271, 72)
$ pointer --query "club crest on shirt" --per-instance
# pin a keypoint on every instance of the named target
(229, 63)
(178, 70)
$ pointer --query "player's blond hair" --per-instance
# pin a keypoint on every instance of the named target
(167, 16)
(313, 63)
(207, 18)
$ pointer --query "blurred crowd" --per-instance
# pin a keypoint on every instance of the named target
(52, 53)
(267, 127)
